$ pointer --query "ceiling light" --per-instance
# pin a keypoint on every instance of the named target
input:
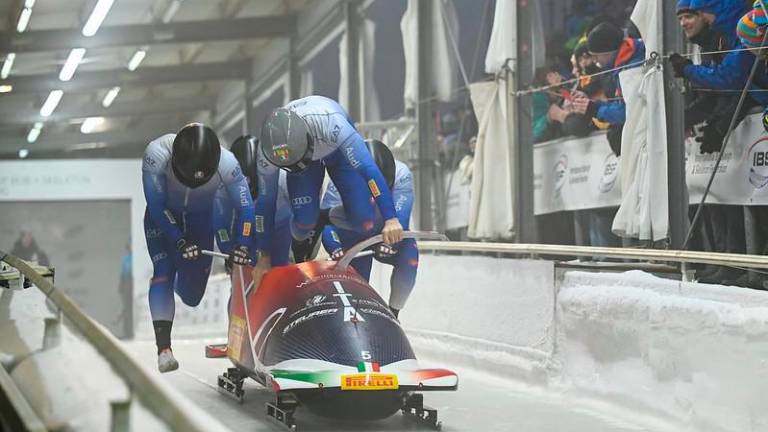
(26, 14)
(29, 3)
(138, 56)
(51, 102)
(23, 153)
(6, 88)
(7, 65)
(171, 10)
(98, 14)
(90, 124)
(110, 97)
(70, 66)
(34, 133)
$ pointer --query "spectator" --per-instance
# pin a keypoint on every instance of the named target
(27, 249)
(615, 52)
(710, 24)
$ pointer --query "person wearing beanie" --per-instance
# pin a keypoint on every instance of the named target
(614, 52)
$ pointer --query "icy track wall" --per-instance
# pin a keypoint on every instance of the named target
(691, 355)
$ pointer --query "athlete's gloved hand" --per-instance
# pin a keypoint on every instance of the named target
(239, 255)
(583, 105)
(384, 251)
(679, 63)
(392, 231)
(189, 251)
(711, 139)
(337, 254)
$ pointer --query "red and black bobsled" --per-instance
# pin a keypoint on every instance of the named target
(319, 336)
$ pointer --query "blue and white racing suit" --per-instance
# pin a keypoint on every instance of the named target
(340, 150)
(176, 212)
(406, 259)
(225, 222)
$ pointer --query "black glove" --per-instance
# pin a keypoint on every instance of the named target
(711, 139)
(591, 111)
(384, 251)
(678, 64)
(239, 255)
(189, 251)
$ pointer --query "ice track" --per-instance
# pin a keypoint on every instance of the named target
(478, 405)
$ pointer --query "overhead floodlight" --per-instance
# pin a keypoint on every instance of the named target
(24, 18)
(90, 124)
(70, 66)
(51, 102)
(98, 14)
(110, 97)
(7, 65)
(136, 60)
(23, 153)
(29, 3)
(6, 88)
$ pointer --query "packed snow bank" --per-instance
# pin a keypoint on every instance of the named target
(691, 355)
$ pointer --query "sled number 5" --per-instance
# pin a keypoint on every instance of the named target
(366, 355)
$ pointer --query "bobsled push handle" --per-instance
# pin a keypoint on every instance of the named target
(214, 254)
(356, 249)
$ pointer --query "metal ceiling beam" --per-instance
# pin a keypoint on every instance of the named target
(151, 34)
(119, 109)
(62, 141)
(145, 76)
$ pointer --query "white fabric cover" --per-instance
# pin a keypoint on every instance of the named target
(444, 61)
(503, 43)
(491, 214)
(369, 99)
(644, 210)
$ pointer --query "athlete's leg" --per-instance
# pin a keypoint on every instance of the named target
(405, 266)
(192, 276)
(161, 302)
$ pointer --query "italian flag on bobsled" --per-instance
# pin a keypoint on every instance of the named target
(319, 336)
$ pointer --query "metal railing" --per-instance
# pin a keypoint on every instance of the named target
(154, 394)
(682, 257)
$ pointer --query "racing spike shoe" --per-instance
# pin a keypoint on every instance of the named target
(306, 250)
(166, 362)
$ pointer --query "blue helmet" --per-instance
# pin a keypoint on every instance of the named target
(684, 6)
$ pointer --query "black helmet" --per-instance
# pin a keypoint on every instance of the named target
(286, 142)
(196, 153)
(384, 160)
(244, 148)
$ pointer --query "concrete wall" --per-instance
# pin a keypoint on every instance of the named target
(688, 356)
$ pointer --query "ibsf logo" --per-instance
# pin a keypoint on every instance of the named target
(758, 158)
(610, 173)
(560, 173)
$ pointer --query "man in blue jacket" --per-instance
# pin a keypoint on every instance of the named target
(612, 50)
(181, 174)
(306, 138)
(403, 256)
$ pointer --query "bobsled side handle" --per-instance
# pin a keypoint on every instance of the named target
(214, 254)
(353, 252)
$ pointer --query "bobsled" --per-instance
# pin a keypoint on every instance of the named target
(319, 336)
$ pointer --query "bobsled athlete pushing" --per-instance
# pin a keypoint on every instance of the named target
(318, 335)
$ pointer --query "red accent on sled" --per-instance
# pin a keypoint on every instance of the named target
(216, 350)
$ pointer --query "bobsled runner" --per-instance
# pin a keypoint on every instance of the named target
(319, 336)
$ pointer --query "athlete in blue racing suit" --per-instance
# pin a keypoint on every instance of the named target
(306, 138)
(226, 216)
(181, 174)
(403, 256)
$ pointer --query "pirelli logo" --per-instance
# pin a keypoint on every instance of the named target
(374, 188)
(369, 381)
(247, 229)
